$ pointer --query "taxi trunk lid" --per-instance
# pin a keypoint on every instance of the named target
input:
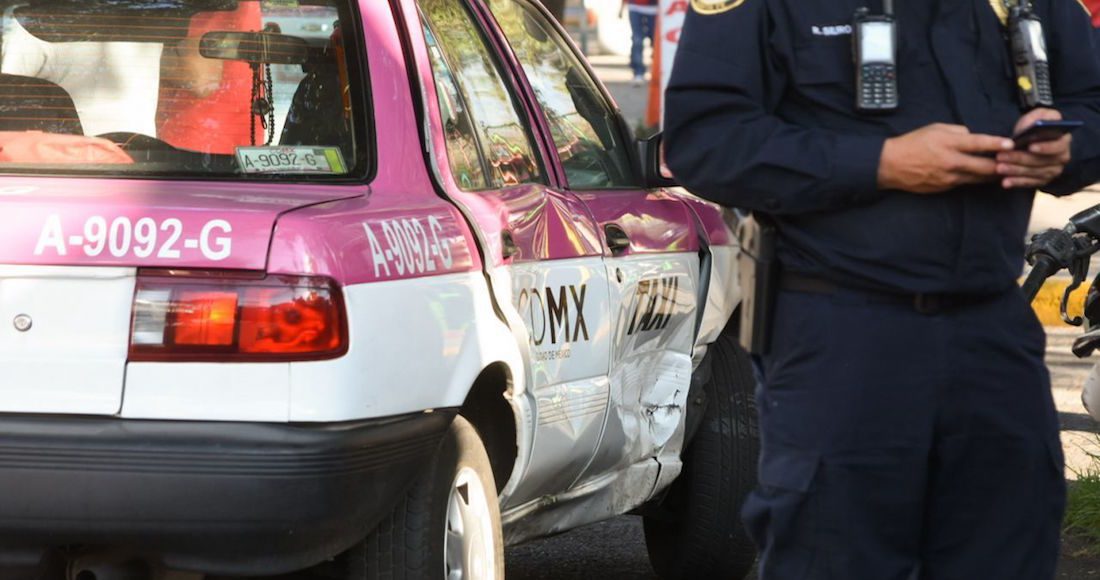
(64, 338)
(147, 223)
(69, 256)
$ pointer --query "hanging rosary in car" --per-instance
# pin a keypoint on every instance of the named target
(262, 106)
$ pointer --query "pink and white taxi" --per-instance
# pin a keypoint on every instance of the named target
(347, 289)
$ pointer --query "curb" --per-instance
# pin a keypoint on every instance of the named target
(1047, 303)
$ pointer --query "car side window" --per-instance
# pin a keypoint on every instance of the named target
(466, 64)
(585, 129)
(463, 151)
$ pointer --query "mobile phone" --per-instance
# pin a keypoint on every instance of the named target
(1044, 131)
(874, 43)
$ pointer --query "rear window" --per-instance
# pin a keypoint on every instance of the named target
(264, 89)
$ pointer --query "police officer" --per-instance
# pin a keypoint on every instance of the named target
(908, 428)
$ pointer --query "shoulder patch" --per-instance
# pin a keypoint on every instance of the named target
(715, 6)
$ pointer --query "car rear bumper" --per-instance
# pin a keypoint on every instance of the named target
(224, 498)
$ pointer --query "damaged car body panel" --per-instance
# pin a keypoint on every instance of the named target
(610, 336)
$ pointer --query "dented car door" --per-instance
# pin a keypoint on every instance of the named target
(651, 251)
(541, 248)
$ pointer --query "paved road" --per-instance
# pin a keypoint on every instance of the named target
(613, 550)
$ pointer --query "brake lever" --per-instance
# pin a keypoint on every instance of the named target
(1083, 251)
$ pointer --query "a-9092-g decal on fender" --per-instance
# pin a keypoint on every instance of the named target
(410, 247)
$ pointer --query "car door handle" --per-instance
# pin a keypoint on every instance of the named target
(617, 240)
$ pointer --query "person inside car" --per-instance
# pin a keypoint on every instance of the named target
(205, 104)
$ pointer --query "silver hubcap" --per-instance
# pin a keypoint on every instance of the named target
(468, 550)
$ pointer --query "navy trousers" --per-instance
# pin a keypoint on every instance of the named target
(898, 445)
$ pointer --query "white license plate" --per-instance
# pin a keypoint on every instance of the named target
(325, 160)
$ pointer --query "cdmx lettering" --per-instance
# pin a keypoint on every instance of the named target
(654, 304)
(554, 316)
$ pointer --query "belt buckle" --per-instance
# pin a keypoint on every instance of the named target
(928, 303)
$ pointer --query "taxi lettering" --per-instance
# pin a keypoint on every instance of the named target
(549, 316)
(654, 305)
(410, 247)
(123, 237)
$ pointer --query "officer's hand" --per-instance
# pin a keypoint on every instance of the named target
(1041, 163)
(938, 158)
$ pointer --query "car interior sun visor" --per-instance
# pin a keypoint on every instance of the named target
(113, 20)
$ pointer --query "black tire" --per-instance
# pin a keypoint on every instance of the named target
(409, 543)
(697, 531)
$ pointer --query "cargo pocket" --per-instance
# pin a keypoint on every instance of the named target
(779, 516)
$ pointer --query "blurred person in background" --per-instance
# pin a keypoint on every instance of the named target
(643, 22)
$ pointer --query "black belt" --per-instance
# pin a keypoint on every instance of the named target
(922, 303)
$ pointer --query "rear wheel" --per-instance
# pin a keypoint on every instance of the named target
(697, 530)
(446, 527)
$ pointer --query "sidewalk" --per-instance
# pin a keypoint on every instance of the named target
(1052, 212)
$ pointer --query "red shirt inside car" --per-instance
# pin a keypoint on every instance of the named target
(205, 104)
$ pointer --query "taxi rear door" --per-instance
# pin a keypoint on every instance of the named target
(650, 242)
(542, 248)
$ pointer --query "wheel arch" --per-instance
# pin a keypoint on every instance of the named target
(488, 407)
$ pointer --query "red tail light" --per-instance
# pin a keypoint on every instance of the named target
(198, 318)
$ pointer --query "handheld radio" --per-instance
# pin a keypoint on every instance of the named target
(1029, 54)
(874, 47)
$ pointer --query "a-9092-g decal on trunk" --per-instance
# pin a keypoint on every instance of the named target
(123, 237)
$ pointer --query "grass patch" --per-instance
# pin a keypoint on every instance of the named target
(1083, 511)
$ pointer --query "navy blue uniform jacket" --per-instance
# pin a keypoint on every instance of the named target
(760, 114)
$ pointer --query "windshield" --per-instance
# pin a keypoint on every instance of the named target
(178, 87)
